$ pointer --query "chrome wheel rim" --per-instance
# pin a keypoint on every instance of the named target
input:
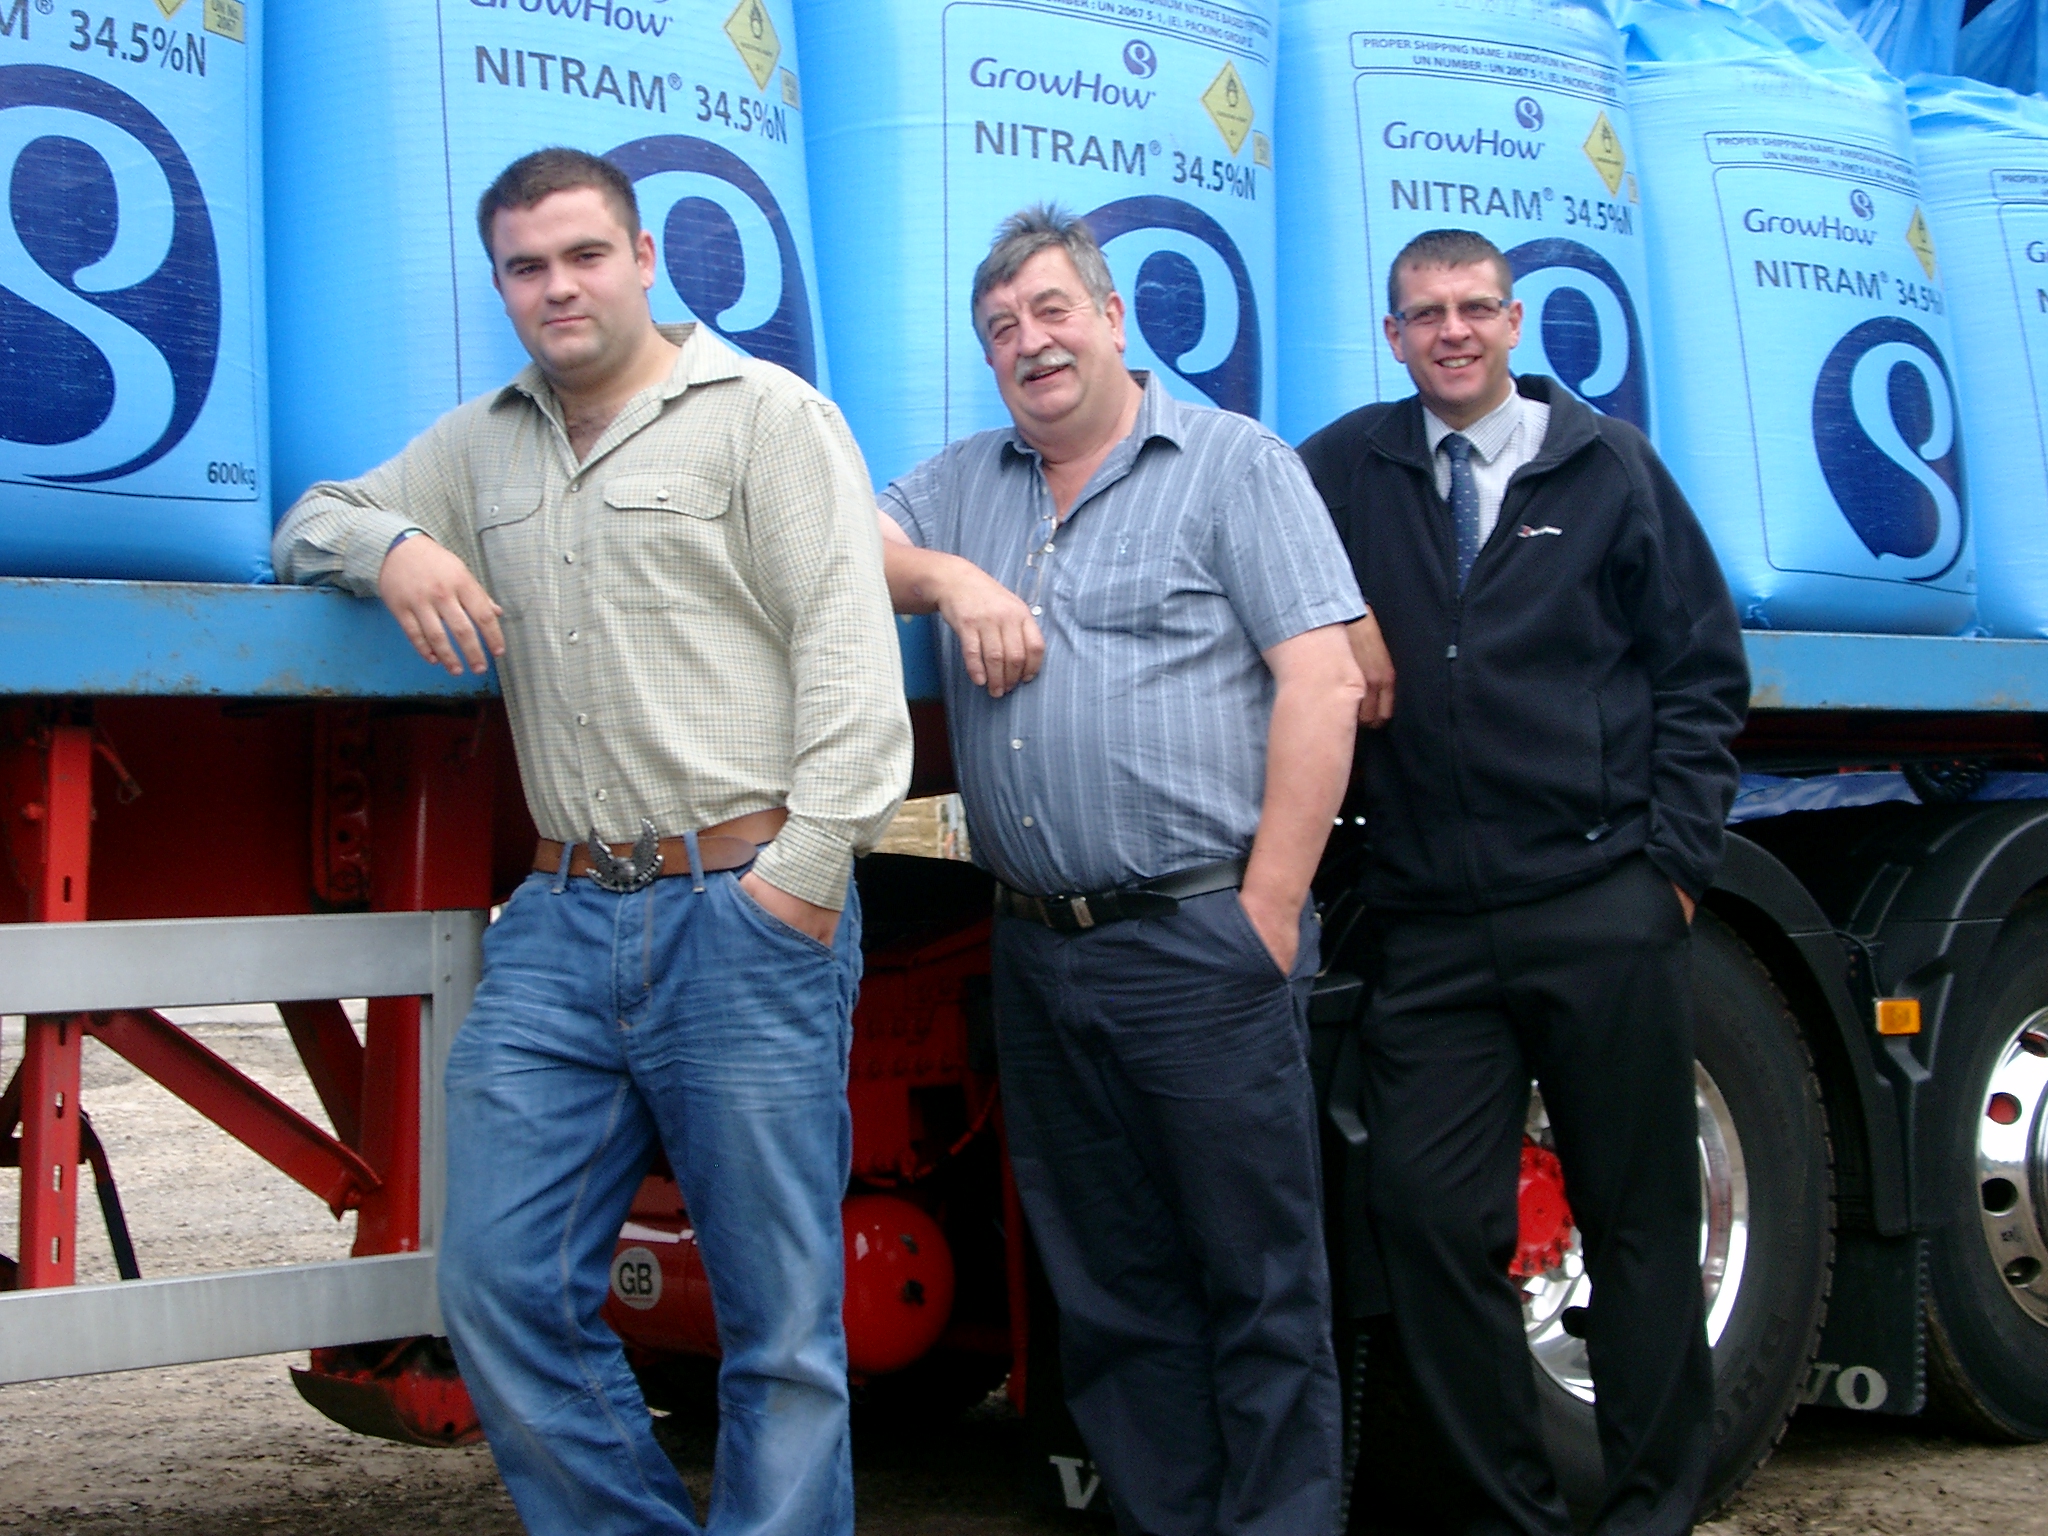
(1724, 1243)
(2012, 1165)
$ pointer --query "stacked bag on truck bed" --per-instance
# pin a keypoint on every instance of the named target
(133, 439)
(1805, 388)
(387, 122)
(1402, 117)
(932, 120)
(1983, 155)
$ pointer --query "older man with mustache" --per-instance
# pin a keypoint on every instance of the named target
(1152, 700)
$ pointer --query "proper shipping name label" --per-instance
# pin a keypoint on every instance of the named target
(1156, 125)
(1843, 324)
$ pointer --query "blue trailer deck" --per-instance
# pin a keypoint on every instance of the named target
(188, 639)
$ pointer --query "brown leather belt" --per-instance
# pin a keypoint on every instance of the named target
(729, 845)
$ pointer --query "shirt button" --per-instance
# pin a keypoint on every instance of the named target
(575, 485)
(569, 555)
(1029, 822)
(1048, 546)
(661, 495)
(1016, 743)
(572, 636)
(1036, 610)
(583, 719)
(600, 794)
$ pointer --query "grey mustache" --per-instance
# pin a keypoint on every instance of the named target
(1051, 357)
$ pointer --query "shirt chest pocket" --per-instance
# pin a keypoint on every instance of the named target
(1122, 587)
(666, 541)
(508, 533)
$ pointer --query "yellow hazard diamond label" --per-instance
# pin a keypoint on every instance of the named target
(1603, 148)
(169, 7)
(1229, 106)
(1921, 238)
(753, 34)
(224, 18)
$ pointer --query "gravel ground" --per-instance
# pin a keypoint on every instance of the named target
(229, 1449)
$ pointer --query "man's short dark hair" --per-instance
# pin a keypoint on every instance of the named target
(1447, 248)
(1022, 236)
(547, 171)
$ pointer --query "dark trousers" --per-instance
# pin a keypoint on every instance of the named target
(1163, 1132)
(1589, 993)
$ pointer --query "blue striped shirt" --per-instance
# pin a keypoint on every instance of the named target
(1140, 748)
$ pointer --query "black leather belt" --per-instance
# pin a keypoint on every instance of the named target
(1154, 898)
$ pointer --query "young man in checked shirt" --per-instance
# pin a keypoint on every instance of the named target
(671, 550)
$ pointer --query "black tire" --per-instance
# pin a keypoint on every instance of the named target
(1987, 1358)
(1750, 1050)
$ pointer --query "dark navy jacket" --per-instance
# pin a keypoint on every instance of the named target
(1575, 703)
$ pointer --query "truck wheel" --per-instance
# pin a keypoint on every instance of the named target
(1766, 1240)
(1987, 1311)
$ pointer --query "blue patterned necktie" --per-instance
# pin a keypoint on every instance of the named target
(1464, 502)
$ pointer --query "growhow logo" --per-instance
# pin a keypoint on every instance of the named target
(725, 246)
(109, 279)
(1202, 325)
(1886, 430)
(1579, 326)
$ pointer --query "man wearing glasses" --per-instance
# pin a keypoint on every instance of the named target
(1545, 807)
(1152, 704)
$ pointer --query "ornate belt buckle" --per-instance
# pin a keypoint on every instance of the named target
(634, 873)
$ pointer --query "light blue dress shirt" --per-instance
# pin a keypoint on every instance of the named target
(1140, 748)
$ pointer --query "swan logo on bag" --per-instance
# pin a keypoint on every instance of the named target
(726, 249)
(1189, 294)
(1579, 326)
(110, 297)
(1886, 429)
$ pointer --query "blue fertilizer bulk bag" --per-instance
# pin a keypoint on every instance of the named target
(1908, 36)
(133, 440)
(2002, 45)
(1805, 393)
(387, 121)
(930, 121)
(1983, 156)
(1398, 118)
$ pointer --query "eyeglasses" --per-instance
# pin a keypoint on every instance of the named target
(1427, 317)
(1031, 587)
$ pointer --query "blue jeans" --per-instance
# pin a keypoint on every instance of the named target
(605, 1024)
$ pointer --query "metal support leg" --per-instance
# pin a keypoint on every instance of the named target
(50, 1062)
(430, 848)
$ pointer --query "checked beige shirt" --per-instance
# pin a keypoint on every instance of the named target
(696, 624)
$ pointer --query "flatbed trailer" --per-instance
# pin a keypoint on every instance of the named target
(259, 794)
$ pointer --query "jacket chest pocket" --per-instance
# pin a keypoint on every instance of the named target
(508, 534)
(666, 541)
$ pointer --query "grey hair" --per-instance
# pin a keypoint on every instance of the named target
(1447, 248)
(1022, 236)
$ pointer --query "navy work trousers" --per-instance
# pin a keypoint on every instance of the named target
(1589, 993)
(1163, 1131)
